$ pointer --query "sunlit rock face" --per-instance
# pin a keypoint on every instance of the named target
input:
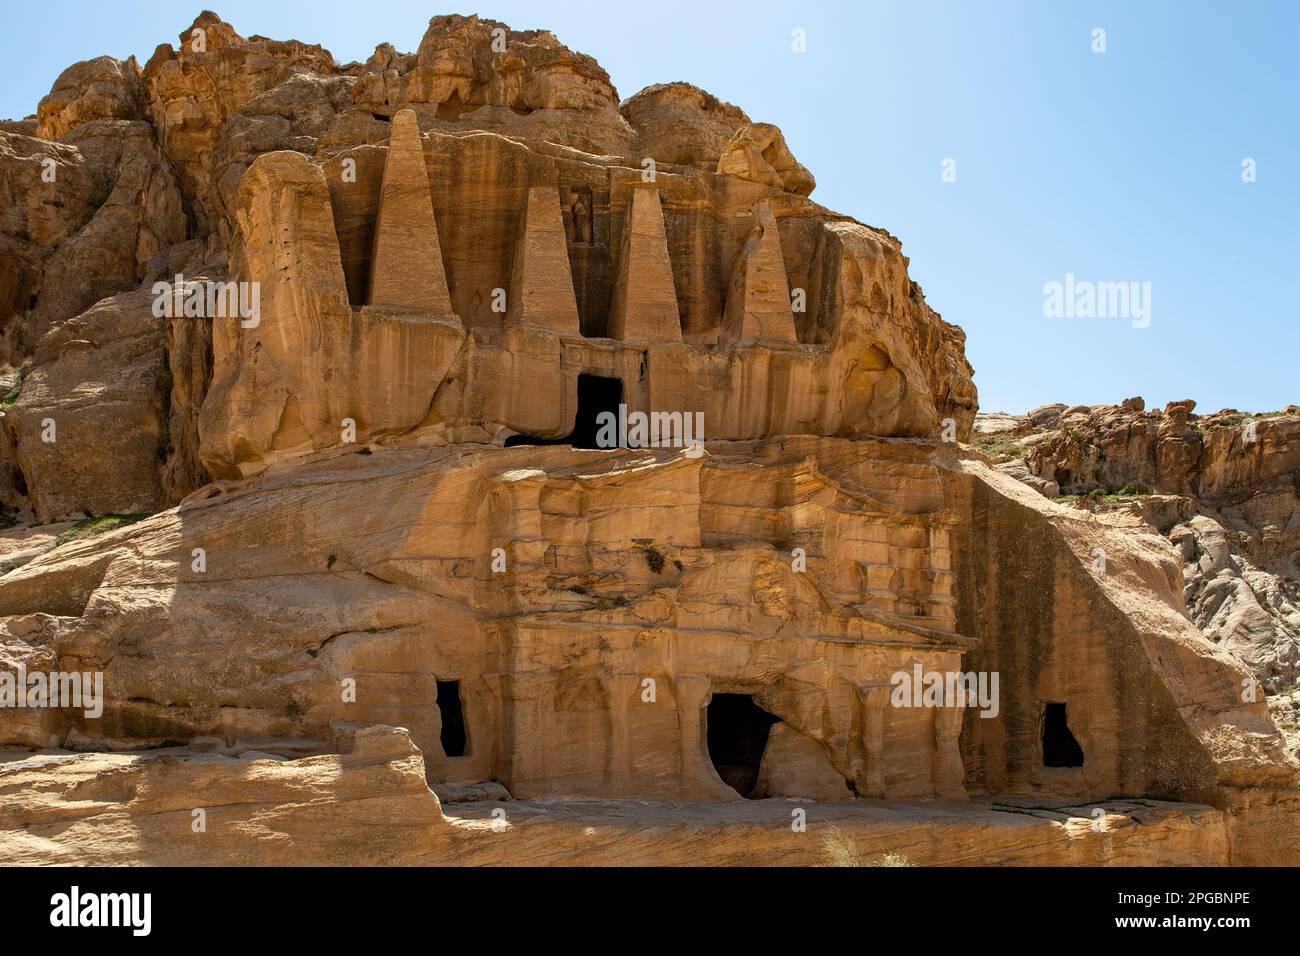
(364, 528)
(1223, 487)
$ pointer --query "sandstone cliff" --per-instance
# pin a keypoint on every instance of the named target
(1223, 488)
(349, 534)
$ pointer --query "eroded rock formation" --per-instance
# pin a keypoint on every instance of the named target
(365, 493)
(1224, 488)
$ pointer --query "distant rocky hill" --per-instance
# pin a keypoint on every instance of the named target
(1223, 487)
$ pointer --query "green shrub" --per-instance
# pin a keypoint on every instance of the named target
(11, 396)
(998, 448)
(93, 526)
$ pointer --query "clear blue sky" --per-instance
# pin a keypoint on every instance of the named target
(1122, 166)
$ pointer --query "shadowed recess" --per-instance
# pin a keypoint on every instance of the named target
(1060, 749)
(737, 733)
(596, 394)
(453, 734)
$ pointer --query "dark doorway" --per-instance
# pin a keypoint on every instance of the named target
(1060, 749)
(453, 718)
(596, 394)
(737, 735)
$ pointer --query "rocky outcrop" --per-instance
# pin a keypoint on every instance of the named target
(206, 101)
(835, 299)
(1224, 488)
(470, 73)
(369, 806)
(99, 89)
(195, 807)
(757, 153)
(312, 372)
(90, 426)
(502, 569)
(682, 124)
(90, 216)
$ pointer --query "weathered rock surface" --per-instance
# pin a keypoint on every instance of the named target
(316, 584)
(97, 389)
(682, 124)
(618, 567)
(171, 146)
(370, 807)
(757, 153)
(1224, 488)
(99, 89)
(82, 218)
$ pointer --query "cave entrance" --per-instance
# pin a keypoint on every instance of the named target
(1060, 749)
(596, 394)
(453, 735)
(737, 735)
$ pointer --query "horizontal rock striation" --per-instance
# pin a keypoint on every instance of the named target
(310, 372)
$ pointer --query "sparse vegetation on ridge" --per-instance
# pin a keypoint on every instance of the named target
(97, 525)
